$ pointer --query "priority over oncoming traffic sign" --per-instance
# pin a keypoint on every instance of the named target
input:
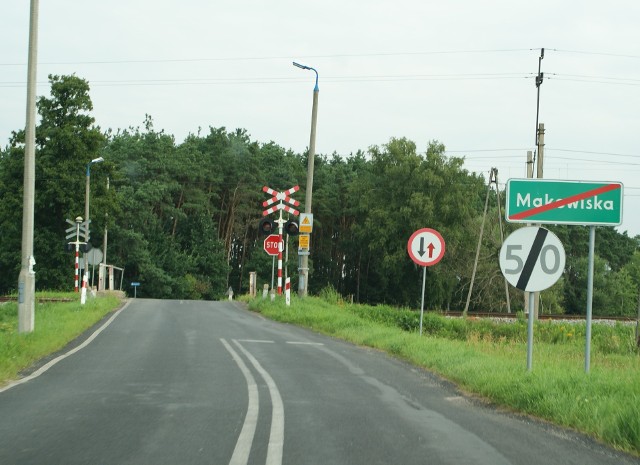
(426, 247)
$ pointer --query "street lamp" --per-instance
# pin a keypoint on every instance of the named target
(27, 277)
(303, 283)
(86, 206)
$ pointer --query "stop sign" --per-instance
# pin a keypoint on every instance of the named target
(272, 244)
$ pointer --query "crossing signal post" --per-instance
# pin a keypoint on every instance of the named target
(78, 228)
(278, 202)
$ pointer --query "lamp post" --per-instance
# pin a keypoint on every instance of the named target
(303, 283)
(86, 205)
(27, 277)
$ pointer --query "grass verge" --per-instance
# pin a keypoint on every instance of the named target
(55, 325)
(604, 404)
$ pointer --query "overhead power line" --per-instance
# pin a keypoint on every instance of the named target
(287, 80)
(585, 52)
(280, 57)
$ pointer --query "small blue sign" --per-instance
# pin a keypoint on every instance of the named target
(135, 284)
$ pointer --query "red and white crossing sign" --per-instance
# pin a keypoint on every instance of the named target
(426, 247)
(273, 244)
(280, 197)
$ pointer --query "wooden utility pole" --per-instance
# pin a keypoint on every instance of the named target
(506, 284)
(493, 178)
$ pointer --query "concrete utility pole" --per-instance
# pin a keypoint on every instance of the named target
(104, 240)
(27, 277)
(529, 176)
(303, 283)
(539, 168)
(539, 175)
(87, 191)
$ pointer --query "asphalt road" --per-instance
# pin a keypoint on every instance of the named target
(182, 382)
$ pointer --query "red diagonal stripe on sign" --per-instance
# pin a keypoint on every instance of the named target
(563, 202)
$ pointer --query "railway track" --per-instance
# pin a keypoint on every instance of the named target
(541, 317)
(38, 299)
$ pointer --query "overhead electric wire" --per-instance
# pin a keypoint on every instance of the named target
(288, 80)
(584, 52)
(283, 57)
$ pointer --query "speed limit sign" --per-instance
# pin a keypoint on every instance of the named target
(532, 259)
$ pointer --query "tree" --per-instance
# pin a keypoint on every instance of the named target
(66, 140)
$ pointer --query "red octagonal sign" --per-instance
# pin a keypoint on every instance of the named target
(272, 244)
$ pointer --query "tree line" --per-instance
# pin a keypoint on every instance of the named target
(182, 218)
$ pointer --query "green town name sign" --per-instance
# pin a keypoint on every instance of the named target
(564, 202)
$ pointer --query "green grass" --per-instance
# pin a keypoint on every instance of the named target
(489, 360)
(55, 325)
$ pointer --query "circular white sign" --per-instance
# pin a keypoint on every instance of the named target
(426, 247)
(94, 256)
(532, 259)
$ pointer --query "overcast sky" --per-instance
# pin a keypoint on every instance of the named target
(460, 71)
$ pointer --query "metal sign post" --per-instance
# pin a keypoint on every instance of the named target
(532, 259)
(135, 289)
(587, 347)
(426, 248)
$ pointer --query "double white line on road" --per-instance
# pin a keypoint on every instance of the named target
(245, 440)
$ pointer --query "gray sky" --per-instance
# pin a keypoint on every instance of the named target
(461, 72)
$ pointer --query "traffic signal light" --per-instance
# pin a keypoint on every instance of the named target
(291, 228)
(267, 227)
(86, 247)
(69, 247)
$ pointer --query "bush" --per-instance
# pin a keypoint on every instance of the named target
(330, 295)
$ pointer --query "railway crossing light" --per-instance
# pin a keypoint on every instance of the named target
(291, 228)
(267, 227)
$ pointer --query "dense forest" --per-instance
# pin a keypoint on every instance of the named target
(182, 218)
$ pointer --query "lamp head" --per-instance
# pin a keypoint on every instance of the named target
(298, 65)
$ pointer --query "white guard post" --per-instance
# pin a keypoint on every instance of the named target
(287, 291)
(83, 294)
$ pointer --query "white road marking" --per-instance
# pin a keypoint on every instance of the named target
(259, 341)
(305, 343)
(245, 440)
(44, 368)
(276, 435)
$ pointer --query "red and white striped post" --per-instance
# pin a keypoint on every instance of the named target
(77, 271)
(287, 291)
(83, 294)
(280, 248)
